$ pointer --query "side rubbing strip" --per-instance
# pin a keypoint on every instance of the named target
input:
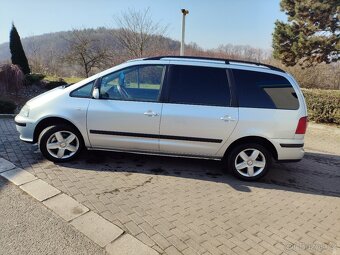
(170, 137)
(287, 145)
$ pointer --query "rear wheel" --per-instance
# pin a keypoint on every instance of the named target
(250, 161)
(60, 143)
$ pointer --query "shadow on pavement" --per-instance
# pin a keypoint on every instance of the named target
(315, 174)
(3, 183)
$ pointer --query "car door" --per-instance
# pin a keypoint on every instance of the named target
(197, 117)
(127, 114)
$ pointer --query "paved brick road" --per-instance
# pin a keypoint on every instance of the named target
(182, 206)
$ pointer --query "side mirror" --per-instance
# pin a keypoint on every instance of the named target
(95, 93)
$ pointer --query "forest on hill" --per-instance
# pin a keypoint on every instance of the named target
(48, 53)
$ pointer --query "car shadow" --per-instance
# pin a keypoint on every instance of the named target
(3, 183)
(315, 174)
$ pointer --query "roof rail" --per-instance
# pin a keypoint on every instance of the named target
(226, 61)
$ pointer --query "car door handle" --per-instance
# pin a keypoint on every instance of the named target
(227, 118)
(151, 114)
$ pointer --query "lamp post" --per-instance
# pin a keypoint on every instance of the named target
(184, 12)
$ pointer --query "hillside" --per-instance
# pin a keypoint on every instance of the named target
(49, 53)
(46, 54)
(56, 43)
(43, 43)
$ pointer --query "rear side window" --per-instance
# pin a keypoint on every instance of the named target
(264, 90)
(198, 85)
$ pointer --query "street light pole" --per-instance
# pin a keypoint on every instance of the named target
(184, 12)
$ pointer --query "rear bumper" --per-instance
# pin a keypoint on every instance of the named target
(289, 150)
(291, 145)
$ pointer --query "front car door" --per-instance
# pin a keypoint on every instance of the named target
(127, 114)
(197, 117)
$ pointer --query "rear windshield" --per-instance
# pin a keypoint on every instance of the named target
(264, 90)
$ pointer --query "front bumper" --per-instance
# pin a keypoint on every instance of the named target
(25, 128)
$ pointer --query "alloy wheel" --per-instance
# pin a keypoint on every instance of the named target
(62, 144)
(250, 162)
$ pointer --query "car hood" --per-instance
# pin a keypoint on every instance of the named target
(46, 97)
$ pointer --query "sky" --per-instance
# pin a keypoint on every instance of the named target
(209, 23)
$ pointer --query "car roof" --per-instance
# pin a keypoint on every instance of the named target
(216, 60)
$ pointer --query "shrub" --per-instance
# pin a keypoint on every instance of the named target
(7, 107)
(33, 78)
(323, 105)
(53, 84)
(11, 79)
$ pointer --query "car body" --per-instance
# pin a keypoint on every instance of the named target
(244, 112)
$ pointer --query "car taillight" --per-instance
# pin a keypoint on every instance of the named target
(302, 126)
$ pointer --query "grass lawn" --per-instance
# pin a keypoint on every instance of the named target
(134, 85)
(66, 79)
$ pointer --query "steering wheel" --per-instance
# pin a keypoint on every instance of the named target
(122, 91)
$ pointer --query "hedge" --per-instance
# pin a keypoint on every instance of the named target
(323, 105)
(33, 78)
(7, 107)
(54, 84)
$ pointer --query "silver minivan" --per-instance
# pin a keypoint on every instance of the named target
(242, 112)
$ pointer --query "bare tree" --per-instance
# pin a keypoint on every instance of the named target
(86, 51)
(136, 32)
(244, 52)
(34, 56)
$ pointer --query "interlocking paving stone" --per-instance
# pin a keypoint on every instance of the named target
(40, 190)
(18, 176)
(128, 245)
(97, 228)
(5, 165)
(204, 210)
(65, 206)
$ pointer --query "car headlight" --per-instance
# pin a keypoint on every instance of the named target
(25, 111)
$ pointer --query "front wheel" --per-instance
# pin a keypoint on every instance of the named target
(60, 143)
(250, 161)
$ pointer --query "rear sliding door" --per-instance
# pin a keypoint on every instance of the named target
(196, 117)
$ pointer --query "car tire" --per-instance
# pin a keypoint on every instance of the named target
(250, 161)
(60, 143)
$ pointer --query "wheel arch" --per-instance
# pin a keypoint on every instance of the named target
(51, 121)
(252, 139)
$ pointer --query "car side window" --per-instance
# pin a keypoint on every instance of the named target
(198, 85)
(84, 91)
(137, 83)
(264, 90)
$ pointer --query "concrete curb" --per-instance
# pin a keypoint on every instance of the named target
(7, 116)
(95, 227)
